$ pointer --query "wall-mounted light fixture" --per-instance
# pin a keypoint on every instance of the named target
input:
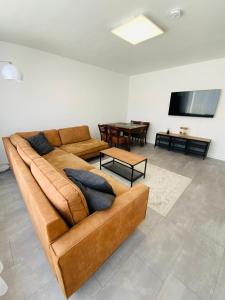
(10, 71)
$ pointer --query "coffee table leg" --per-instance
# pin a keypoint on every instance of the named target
(145, 167)
(132, 175)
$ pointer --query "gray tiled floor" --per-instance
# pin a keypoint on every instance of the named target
(178, 257)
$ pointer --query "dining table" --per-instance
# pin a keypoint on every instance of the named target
(128, 129)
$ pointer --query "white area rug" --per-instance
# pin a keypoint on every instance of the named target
(165, 187)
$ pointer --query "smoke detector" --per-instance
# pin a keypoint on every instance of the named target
(175, 13)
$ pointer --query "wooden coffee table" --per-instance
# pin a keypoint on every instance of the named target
(123, 163)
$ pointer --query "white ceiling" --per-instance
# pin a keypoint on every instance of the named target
(81, 29)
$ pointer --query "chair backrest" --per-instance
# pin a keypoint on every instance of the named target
(103, 129)
(135, 122)
(141, 123)
(114, 133)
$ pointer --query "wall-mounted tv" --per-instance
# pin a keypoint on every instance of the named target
(194, 103)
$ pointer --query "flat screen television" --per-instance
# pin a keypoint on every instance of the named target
(194, 103)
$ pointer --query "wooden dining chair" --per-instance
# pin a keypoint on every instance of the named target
(117, 139)
(140, 135)
(104, 132)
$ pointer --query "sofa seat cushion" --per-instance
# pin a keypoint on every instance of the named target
(65, 196)
(85, 147)
(61, 159)
(74, 134)
(118, 187)
(26, 152)
(52, 136)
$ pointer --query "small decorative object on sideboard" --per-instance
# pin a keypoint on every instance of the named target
(183, 130)
(168, 131)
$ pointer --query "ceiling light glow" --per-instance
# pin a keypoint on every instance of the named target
(137, 30)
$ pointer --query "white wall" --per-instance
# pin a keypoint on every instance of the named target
(149, 97)
(58, 92)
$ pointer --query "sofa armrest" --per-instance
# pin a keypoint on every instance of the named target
(83, 249)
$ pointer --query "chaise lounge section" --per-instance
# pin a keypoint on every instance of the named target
(76, 242)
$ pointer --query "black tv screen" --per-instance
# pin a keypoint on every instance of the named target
(194, 103)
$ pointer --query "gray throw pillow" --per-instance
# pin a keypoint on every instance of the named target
(96, 190)
(90, 180)
(40, 143)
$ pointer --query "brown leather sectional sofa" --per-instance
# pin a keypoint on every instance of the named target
(75, 242)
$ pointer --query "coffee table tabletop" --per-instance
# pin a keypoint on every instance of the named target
(128, 157)
(123, 163)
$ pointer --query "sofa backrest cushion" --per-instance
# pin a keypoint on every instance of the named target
(26, 152)
(16, 139)
(74, 134)
(52, 136)
(65, 196)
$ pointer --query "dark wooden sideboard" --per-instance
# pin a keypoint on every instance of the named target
(184, 143)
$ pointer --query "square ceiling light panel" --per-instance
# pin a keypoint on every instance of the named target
(137, 30)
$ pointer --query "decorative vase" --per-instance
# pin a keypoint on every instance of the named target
(183, 130)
